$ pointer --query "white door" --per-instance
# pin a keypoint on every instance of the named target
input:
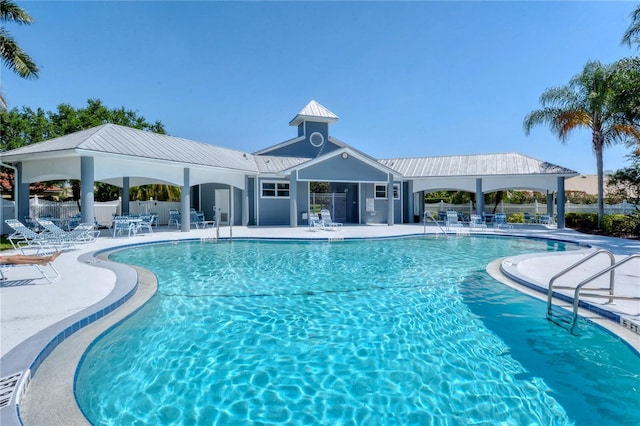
(222, 206)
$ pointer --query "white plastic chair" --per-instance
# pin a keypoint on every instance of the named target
(500, 221)
(452, 220)
(476, 222)
(328, 223)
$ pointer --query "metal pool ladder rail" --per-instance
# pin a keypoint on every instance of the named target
(424, 220)
(577, 289)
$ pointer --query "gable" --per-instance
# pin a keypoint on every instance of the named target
(337, 169)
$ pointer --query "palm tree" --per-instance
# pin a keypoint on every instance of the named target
(586, 102)
(13, 57)
(632, 35)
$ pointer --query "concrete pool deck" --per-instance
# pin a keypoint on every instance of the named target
(32, 315)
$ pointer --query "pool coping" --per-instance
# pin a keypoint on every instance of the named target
(127, 284)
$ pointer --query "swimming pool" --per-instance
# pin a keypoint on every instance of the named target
(397, 331)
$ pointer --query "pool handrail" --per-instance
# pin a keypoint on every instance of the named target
(610, 296)
(573, 266)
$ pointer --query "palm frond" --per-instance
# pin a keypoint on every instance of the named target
(15, 58)
(10, 12)
(632, 35)
(567, 121)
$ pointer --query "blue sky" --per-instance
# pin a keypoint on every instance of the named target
(407, 79)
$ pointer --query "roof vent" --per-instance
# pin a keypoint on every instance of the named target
(316, 139)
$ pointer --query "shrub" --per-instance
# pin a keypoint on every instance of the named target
(516, 218)
(621, 224)
(581, 220)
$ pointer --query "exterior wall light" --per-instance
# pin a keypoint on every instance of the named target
(345, 155)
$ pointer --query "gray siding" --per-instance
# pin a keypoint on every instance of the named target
(337, 169)
(273, 211)
(381, 212)
(303, 201)
(303, 149)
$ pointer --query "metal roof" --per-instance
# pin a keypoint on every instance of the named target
(473, 165)
(120, 140)
(275, 164)
(315, 111)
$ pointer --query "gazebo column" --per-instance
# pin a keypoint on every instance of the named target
(86, 188)
(479, 197)
(293, 199)
(390, 200)
(125, 196)
(21, 194)
(409, 194)
(185, 203)
(245, 202)
(561, 203)
(550, 203)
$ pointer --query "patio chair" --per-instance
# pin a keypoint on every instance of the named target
(195, 219)
(328, 223)
(476, 222)
(315, 223)
(122, 224)
(146, 222)
(174, 218)
(500, 221)
(452, 221)
(546, 219)
(529, 219)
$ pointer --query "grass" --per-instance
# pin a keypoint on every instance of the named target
(5, 244)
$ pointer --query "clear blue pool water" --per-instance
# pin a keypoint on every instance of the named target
(399, 331)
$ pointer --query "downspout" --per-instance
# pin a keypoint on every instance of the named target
(15, 200)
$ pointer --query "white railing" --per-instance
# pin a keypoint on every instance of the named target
(532, 208)
(103, 211)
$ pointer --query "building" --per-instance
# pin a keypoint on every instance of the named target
(273, 186)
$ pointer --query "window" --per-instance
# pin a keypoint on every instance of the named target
(316, 139)
(381, 191)
(275, 189)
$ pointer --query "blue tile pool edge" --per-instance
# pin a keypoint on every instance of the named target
(22, 359)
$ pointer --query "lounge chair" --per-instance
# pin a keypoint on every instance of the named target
(196, 220)
(84, 233)
(81, 233)
(328, 223)
(23, 238)
(530, 219)
(500, 221)
(42, 274)
(476, 222)
(452, 222)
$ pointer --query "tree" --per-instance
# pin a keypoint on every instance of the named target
(632, 35)
(586, 102)
(13, 57)
(625, 183)
(625, 86)
(24, 126)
